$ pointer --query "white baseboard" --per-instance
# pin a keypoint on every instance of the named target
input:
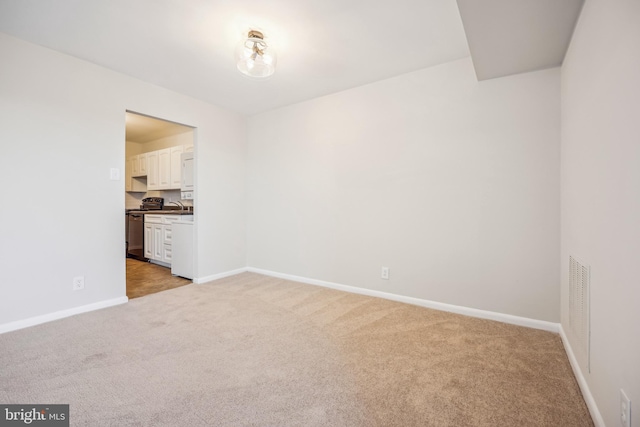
(37, 320)
(482, 314)
(219, 275)
(582, 382)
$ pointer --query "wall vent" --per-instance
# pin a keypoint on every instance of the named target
(579, 318)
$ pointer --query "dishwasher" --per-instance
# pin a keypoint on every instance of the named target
(135, 236)
(182, 248)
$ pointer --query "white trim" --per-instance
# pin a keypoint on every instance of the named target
(473, 312)
(219, 275)
(37, 320)
(582, 381)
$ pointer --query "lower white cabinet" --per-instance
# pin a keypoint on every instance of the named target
(157, 238)
(153, 241)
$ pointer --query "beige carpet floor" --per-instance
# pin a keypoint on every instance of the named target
(251, 350)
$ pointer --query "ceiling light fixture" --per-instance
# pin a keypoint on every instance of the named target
(255, 58)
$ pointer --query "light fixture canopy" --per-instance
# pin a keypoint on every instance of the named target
(254, 56)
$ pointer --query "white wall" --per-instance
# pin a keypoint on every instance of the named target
(62, 127)
(451, 183)
(601, 192)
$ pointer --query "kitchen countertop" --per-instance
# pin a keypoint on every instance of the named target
(161, 212)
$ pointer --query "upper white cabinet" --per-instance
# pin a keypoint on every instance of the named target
(132, 183)
(139, 165)
(187, 184)
(153, 182)
(127, 175)
(176, 167)
(134, 165)
(169, 168)
(162, 168)
(142, 162)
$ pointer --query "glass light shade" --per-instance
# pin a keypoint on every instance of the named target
(255, 58)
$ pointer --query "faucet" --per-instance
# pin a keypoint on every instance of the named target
(178, 203)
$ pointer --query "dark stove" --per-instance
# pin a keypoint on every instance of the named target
(152, 204)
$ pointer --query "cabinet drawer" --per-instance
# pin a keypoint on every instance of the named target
(166, 254)
(169, 219)
(166, 234)
(153, 219)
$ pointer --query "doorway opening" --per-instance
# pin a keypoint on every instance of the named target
(159, 204)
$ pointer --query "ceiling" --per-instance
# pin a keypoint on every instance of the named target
(141, 128)
(515, 36)
(324, 46)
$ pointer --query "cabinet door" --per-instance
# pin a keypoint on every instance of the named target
(164, 169)
(148, 241)
(133, 183)
(135, 165)
(142, 163)
(158, 245)
(176, 166)
(187, 172)
(152, 171)
(127, 175)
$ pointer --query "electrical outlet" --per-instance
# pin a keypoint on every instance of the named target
(385, 273)
(78, 283)
(625, 410)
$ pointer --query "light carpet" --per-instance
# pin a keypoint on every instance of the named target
(252, 350)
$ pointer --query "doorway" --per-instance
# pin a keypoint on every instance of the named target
(155, 180)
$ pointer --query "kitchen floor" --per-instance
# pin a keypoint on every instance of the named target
(144, 278)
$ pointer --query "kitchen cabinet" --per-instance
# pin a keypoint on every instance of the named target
(167, 231)
(164, 168)
(153, 182)
(176, 167)
(157, 170)
(139, 165)
(154, 230)
(148, 241)
(158, 237)
(186, 174)
(131, 183)
(135, 165)
(127, 175)
(142, 163)
(157, 247)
